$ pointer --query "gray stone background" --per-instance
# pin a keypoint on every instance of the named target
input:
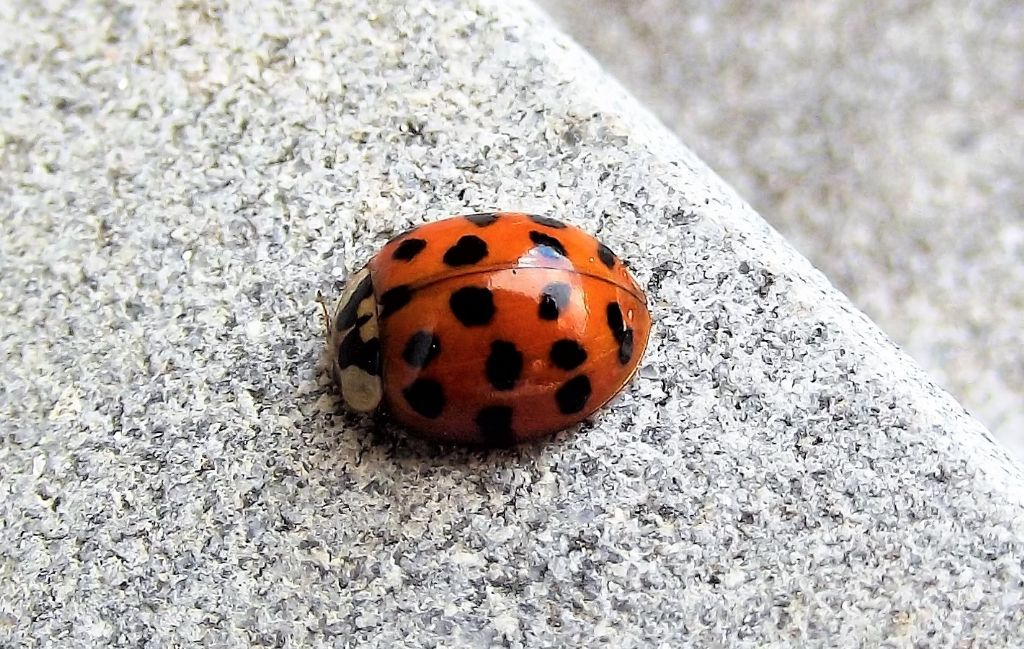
(884, 139)
(179, 179)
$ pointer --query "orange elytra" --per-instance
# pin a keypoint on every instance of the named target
(489, 329)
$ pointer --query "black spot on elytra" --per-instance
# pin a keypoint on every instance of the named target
(495, 425)
(547, 244)
(553, 299)
(469, 250)
(472, 305)
(623, 334)
(605, 254)
(421, 348)
(567, 354)
(482, 220)
(400, 235)
(613, 312)
(408, 249)
(365, 355)
(626, 347)
(546, 221)
(347, 316)
(394, 299)
(504, 365)
(426, 397)
(573, 394)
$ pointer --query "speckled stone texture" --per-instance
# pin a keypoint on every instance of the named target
(883, 139)
(178, 182)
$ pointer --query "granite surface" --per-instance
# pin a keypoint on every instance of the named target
(179, 180)
(882, 139)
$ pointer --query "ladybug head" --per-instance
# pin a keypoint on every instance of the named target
(355, 345)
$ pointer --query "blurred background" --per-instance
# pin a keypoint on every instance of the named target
(885, 140)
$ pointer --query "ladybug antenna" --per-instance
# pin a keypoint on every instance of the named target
(327, 316)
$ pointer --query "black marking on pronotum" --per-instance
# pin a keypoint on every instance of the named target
(573, 395)
(394, 299)
(483, 219)
(467, 251)
(567, 354)
(347, 315)
(426, 397)
(408, 249)
(605, 254)
(546, 241)
(503, 365)
(553, 299)
(421, 348)
(547, 221)
(473, 306)
(623, 334)
(495, 425)
(365, 355)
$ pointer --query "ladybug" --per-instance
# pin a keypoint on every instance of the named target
(488, 329)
